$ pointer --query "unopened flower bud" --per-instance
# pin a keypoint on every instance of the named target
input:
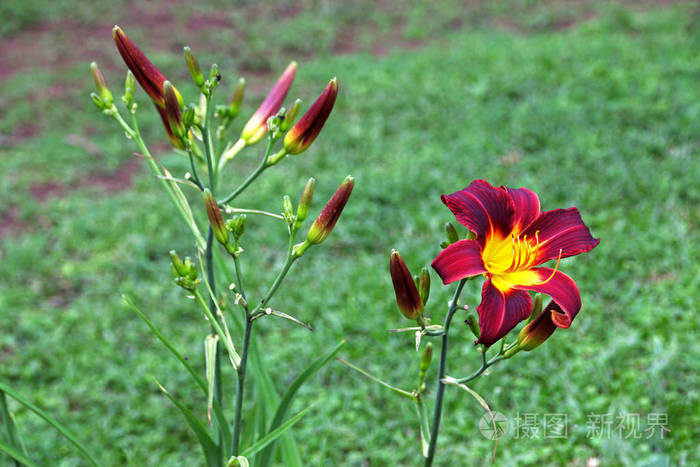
(256, 127)
(425, 362)
(215, 219)
(214, 75)
(234, 106)
(304, 203)
(538, 330)
(473, 325)
(178, 267)
(193, 67)
(451, 233)
(188, 117)
(287, 208)
(407, 296)
(309, 126)
(290, 115)
(129, 88)
(184, 272)
(173, 115)
(148, 76)
(424, 285)
(236, 225)
(324, 223)
(102, 89)
(97, 100)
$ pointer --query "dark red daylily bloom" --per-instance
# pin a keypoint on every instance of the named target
(513, 237)
(309, 126)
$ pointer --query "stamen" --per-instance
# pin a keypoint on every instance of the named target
(553, 272)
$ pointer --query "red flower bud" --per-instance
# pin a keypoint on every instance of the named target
(309, 126)
(539, 329)
(173, 117)
(407, 296)
(145, 72)
(215, 219)
(255, 129)
(324, 223)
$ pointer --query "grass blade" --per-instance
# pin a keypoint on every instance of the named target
(16, 455)
(274, 434)
(284, 404)
(190, 370)
(51, 421)
(211, 451)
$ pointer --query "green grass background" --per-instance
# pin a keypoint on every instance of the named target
(589, 105)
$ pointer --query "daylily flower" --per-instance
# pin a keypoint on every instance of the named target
(512, 238)
(255, 129)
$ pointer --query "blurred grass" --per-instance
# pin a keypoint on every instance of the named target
(603, 116)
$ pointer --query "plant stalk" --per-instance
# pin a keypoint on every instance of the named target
(441, 374)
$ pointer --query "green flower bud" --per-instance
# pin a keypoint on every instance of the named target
(193, 66)
(188, 117)
(473, 325)
(425, 362)
(184, 272)
(305, 202)
(424, 285)
(235, 106)
(290, 116)
(97, 100)
(129, 88)
(236, 225)
(288, 208)
(451, 233)
(105, 93)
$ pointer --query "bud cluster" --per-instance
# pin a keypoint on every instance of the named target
(184, 272)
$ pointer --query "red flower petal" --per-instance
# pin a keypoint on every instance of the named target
(560, 229)
(482, 208)
(562, 289)
(527, 206)
(459, 260)
(499, 312)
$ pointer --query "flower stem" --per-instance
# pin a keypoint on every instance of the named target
(441, 374)
(241, 384)
(251, 178)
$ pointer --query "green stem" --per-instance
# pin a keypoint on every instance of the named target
(241, 383)
(251, 178)
(441, 374)
(9, 426)
(255, 211)
(135, 134)
(208, 146)
(484, 367)
(248, 332)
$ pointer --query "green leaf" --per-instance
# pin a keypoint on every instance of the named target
(284, 404)
(190, 370)
(274, 434)
(211, 450)
(51, 421)
(16, 455)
